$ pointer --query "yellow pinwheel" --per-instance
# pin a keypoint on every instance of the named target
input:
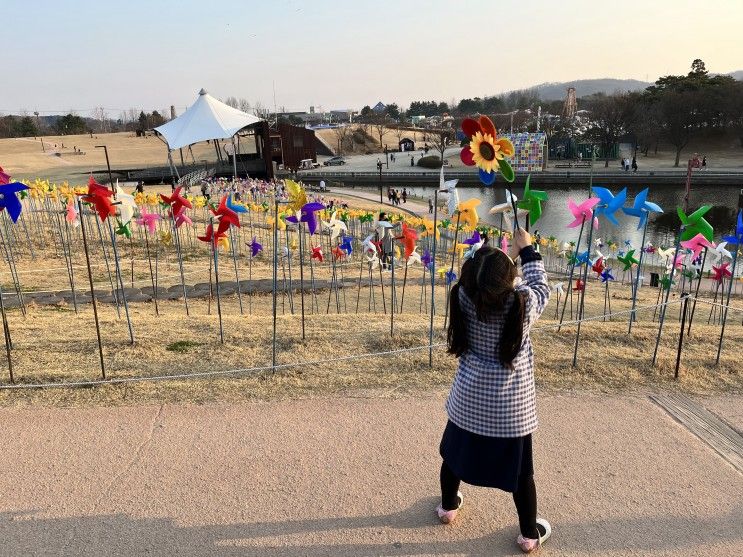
(297, 195)
(468, 212)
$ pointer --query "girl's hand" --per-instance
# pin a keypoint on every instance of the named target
(521, 239)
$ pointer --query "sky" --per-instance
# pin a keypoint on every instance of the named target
(58, 56)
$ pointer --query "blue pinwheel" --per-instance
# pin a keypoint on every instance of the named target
(255, 247)
(238, 208)
(737, 237)
(606, 275)
(641, 208)
(427, 260)
(583, 258)
(8, 196)
(347, 244)
(609, 203)
(451, 276)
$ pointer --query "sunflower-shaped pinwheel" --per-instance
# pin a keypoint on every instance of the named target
(486, 151)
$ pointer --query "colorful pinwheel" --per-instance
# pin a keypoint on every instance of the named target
(583, 212)
(628, 260)
(468, 212)
(427, 259)
(579, 285)
(641, 207)
(720, 272)
(227, 217)
(408, 238)
(126, 204)
(338, 253)
(696, 244)
(148, 219)
(176, 201)
(532, 202)
(317, 254)
(297, 196)
(71, 212)
(236, 207)
(695, 223)
(346, 244)
(335, 226)
(100, 197)
(606, 275)
(486, 151)
(450, 277)
(308, 214)
(8, 198)
(183, 218)
(609, 203)
(736, 239)
(721, 250)
(123, 229)
(255, 247)
(450, 188)
(210, 236)
(598, 266)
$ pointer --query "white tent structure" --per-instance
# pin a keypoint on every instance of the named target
(207, 119)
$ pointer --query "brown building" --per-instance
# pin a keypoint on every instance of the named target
(292, 144)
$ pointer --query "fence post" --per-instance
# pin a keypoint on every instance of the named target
(685, 296)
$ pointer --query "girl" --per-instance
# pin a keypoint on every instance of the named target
(491, 406)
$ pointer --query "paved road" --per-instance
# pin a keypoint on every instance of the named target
(351, 477)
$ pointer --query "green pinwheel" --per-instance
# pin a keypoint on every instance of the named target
(695, 223)
(532, 202)
(124, 229)
(366, 217)
(628, 260)
(666, 282)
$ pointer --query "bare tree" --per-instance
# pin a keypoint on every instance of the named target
(609, 118)
(341, 134)
(379, 123)
(440, 139)
(243, 105)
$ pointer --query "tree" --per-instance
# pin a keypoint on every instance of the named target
(440, 139)
(71, 124)
(342, 133)
(608, 121)
(231, 101)
(27, 128)
(393, 110)
(677, 110)
(378, 124)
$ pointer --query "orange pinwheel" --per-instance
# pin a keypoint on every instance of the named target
(408, 239)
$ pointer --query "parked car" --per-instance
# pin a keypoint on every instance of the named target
(308, 164)
(335, 161)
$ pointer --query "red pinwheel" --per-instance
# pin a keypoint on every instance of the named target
(176, 201)
(317, 254)
(338, 253)
(721, 272)
(227, 217)
(579, 285)
(408, 238)
(100, 197)
(598, 267)
(486, 151)
(210, 236)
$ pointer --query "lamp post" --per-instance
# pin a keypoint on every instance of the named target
(379, 167)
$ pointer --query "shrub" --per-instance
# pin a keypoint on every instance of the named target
(429, 161)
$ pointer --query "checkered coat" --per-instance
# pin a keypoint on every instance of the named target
(488, 398)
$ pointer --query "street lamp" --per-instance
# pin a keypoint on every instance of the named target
(379, 167)
(108, 164)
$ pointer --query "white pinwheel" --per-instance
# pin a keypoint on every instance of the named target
(506, 209)
(335, 226)
(722, 251)
(126, 204)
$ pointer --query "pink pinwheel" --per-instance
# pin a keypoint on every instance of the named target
(148, 219)
(721, 272)
(71, 211)
(504, 243)
(4, 177)
(696, 244)
(182, 218)
(308, 214)
(583, 212)
(678, 262)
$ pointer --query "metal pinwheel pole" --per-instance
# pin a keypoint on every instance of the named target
(177, 239)
(570, 276)
(696, 290)
(215, 256)
(727, 301)
(120, 280)
(662, 316)
(636, 285)
(92, 289)
(582, 296)
(275, 278)
(433, 277)
(451, 268)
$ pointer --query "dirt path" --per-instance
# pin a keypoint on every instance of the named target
(351, 476)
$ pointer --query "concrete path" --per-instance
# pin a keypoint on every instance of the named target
(351, 476)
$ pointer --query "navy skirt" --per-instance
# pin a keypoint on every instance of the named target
(486, 461)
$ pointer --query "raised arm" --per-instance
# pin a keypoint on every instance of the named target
(534, 287)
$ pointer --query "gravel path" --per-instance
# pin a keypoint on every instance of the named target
(351, 476)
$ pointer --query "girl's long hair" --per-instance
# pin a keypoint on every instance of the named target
(487, 280)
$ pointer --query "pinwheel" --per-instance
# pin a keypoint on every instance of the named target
(579, 285)
(297, 195)
(504, 243)
(270, 221)
(148, 219)
(235, 207)
(721, 250)
(209, 235)
(628, 260)
(450, 188)
(606, 275)
(598, 266)
(736, 239)
(486, 151)
(720, 272)
(414, 257)
(641, 207)
(366, 217)
(308, 214)
(4, 177)
(468, 212)
(100, 197)
(123, 229)
(506, 209)
(450, 276)
(666, 253)
(532, 202)
(338, 253)
(429, 229)
(427, 260)
(166, 237)
(695, 223)
(583, 258)
(372, 259)
(649, 248)
(255, 247)
(559, 287)
(696, 244)
(609, 203)
(473, 244)
(677, 263)
(583, 212)
(335, 226)
(126, 204)
(666, 282)
(317, 254)
(8, 198)
(599, 243)
(183, 218)
(71, 212)
(223, 242)
(176, 201)
(346, 244)
(408, 238)
(227, 217)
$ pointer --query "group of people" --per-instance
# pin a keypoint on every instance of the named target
(626, 164)
(394, 196)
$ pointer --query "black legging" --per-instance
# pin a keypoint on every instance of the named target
(525, 498)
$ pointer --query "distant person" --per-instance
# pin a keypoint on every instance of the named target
(704, 162)
(430, 206)
(404, 195)
(140, 187)
(491, 407)
(634, 164)
(412, 160)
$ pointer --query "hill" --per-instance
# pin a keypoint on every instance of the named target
(585, 87)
